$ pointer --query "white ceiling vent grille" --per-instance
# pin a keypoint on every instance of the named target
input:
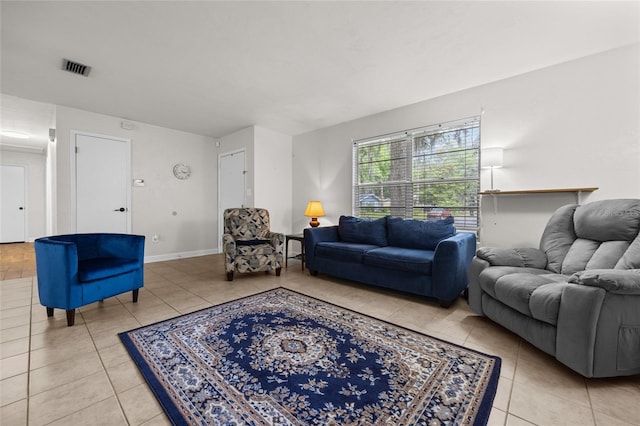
(75, 67)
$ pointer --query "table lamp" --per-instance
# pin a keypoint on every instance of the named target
(314, 210)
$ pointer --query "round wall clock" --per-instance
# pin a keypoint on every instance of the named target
(182, 171)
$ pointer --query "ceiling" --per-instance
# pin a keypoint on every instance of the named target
(212, 67)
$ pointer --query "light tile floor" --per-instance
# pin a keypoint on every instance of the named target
(82, 375)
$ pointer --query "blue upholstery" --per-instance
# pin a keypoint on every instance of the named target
(77, 269)
(400, 260)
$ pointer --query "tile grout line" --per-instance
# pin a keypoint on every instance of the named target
(29, 348)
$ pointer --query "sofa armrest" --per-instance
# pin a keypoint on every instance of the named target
(475, 291)
(520, 257)
(578, 318)
(277, 240)
(451, 259)
(313, 236)
(56, 265)
(618, 281)
(228, 244)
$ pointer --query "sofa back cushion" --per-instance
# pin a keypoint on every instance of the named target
(598, 235)
(419, 234)
(363, 231)
(247, 223)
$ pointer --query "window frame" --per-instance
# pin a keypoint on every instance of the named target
(401, 146)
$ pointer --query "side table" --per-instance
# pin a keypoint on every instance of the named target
(300, 239)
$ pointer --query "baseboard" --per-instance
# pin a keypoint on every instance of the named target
(181, 255)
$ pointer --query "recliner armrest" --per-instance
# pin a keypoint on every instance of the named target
(618, 281)
(519, 257)
(276, 238)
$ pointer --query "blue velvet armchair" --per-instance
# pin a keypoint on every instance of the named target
(78, 269)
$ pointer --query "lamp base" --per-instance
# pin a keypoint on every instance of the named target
(314, 222)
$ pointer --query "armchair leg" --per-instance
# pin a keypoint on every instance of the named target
(135, 295)
(229, 276)
(49, 312)
(278, 270)
(71, 317)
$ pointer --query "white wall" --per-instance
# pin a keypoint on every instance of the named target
(273, 175)
(182, 213)
(571, 125)
(269, 171)
(35, 166)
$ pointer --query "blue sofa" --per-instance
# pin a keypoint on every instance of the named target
(77, 269)
(428, 258)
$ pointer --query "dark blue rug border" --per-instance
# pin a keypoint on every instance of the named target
(176, 418)
(161, 394)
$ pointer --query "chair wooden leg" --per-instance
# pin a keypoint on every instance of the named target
(278, 270)
(49, 312)
(71, 317)
(229, 276)
(135, 295)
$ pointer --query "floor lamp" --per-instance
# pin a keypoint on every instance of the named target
(492, 159)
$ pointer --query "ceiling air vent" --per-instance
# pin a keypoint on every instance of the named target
(75, 67)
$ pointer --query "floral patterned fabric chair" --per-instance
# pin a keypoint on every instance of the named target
(249, 245)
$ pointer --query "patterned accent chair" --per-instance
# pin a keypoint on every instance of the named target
(249, 245)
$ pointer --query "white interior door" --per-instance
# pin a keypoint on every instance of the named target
(12, 204)
(231, 185)
(102, 184)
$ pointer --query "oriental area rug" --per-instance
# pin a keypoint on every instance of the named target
(283, 358)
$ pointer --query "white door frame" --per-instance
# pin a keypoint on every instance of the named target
(72, 153)
(244, 192)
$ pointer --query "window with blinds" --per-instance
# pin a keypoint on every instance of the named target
(426, 173)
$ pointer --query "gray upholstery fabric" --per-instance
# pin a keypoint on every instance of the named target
(584, 308)
(537, 333)
(544, 302)
(631, 258)
(489, 277)
(608, 220)
(613, 280)
(521, 257)
(515, 290)
(558, 236)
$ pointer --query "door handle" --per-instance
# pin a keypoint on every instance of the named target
(121, 209)
(20, 208)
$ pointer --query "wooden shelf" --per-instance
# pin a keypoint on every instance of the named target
(577, 191)
(539, 191)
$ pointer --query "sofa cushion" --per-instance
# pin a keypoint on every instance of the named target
(104, 267)
(490, 276)
(516, 291)
(419, 234)
(608, 220)
(344, 252)
(544, 302)
(363, 231)
(402, 259)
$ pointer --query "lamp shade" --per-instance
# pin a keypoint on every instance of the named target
(492, 157)
(314, 209)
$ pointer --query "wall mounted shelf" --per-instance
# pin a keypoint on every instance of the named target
(577, 191)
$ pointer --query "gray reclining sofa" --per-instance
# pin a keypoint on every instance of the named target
(577, 297)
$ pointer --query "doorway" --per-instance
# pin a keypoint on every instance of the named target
(101, 181)
(13, 226)
(232, 172)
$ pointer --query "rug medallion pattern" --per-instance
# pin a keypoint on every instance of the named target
(282, 358)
